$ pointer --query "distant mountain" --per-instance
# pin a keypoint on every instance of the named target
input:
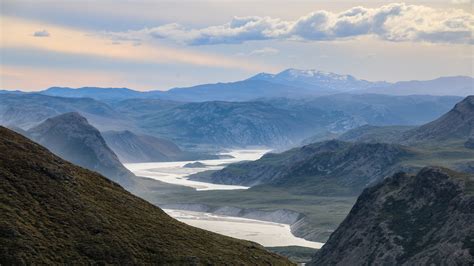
(223, 123)
(133, 148)
(101, 94)
(325, 168)
(27, 110)
(318, 81)
(290, 83)
(276, 122)
(72, 138)
(376, 109)
(245, 90)
(407, 220)
(458, 85)
(54, 212)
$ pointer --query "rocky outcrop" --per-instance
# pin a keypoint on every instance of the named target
(408, 220)
(72, 138)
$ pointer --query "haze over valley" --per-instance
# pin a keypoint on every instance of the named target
(237, 133)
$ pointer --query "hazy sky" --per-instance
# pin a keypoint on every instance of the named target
(148, 45)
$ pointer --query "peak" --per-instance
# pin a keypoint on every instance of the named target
(71, 116)
(313, 73)
(466, 105)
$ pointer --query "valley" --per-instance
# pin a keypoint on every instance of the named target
(268, 228)
(204, 132)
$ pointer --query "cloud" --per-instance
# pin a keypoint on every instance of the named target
(461, 1)
(78, 42)
(41, 33)
(261, 52)
(393, 22)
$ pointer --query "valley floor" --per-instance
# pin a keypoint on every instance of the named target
(268, 234)
(166, 185)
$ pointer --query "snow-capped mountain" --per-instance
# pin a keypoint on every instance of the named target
(318, 80)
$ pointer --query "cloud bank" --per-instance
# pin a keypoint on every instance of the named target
(393, 22)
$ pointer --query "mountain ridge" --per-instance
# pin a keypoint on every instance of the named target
(407, 220)
(54, 212)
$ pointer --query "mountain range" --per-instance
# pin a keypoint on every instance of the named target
(54, 212)
(270, 122)
(290, 83)
(341, 168)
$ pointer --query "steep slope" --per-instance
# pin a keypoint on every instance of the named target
(407, 220)
(133, 148)
(368, 133)
(54, 212)
(454, 125)
(72, 138)
(326, 168)
(27, 110)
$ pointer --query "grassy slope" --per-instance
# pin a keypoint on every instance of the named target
(55, 212)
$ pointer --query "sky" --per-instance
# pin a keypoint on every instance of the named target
(158, 45)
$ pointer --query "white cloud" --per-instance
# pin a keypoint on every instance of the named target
(393, 22)
(261, 52)
(41, 33)
(461, 1)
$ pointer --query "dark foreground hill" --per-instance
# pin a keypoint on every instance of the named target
(408, 220)
(54, 212)
(71, 137)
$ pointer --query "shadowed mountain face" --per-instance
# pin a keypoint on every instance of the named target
(456, 124)
(326, 168)
(408, 220)
(133, 148)
(54, 212)
(72, 138)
